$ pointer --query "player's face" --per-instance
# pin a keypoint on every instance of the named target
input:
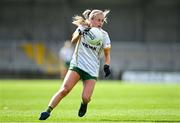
(97, 21)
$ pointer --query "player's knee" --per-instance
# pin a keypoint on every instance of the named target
(65, 91)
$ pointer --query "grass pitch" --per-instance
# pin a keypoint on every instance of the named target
(112, 101)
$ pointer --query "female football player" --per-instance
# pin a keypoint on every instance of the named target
(90, 40)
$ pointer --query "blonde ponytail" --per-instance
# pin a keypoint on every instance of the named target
(79, 20)
(88, 15)
(105, 15)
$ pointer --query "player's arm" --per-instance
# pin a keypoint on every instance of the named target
(78, 33)
(107, 61)
(107, 55)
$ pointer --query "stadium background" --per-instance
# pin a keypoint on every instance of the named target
(145, 37)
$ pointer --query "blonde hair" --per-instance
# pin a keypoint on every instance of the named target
(89, 15)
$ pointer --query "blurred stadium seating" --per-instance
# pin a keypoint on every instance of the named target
(28, 59)
(136, 56)
(42, 57)
(145, 35)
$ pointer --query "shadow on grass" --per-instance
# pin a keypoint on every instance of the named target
(156, 121)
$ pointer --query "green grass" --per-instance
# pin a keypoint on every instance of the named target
(112, 101)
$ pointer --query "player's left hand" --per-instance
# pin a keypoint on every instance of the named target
(107, 70)
(82, 32)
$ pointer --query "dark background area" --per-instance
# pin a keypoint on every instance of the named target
(129, 20)
(145, 34)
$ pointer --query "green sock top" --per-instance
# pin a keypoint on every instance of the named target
(49, 109)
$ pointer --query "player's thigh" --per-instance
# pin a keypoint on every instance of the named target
(71, 78)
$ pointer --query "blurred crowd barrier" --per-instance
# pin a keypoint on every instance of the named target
(151, 76)
(37, 59)
(138, 56)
